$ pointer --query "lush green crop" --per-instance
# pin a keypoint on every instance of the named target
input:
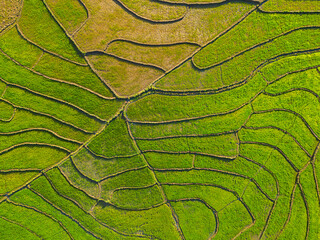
(166, 120)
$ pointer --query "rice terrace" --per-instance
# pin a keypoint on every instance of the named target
(159, 119)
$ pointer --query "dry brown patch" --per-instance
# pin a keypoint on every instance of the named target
(10, 10)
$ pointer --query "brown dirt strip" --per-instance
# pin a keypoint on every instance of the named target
(148, 45)
(98, 52)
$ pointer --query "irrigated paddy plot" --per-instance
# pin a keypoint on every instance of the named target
(159, 119)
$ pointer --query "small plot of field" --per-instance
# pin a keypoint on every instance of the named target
(9, 12)
(71, 14)
(155, 11)
(166, 57)
(291, 6)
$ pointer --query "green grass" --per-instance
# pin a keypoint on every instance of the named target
(164, 56)
(55, 67)
(208, 125)
(166, 160)
(297, 226)
(232, 219)
(288, 122)
(157, 222)
(195, 219)
(16, 47)
(44, 226)
(125, 78)
(238, 68)
(39, 26)
(231, 182)
(115, 132)
(97, 168)
(70, 13)
(307, 79)
(78, 180)
(35, 136)
(24, 119)
(165, 108)
(61, 111)
(137, 198)
(258, 27)
(137, 178)
(301, 102)
(64, 188)
(39, 157)
(12, 181)
(260, 206)
(13, 73)
(187, 77)
(291, 6)
(29, 198)
(223, 145)
(243, 167)
(278, 139)
(219, 201)
(12, 229)
(42, 186)
(309, 188)
(288, 64)
(286, 177)
(6, 110)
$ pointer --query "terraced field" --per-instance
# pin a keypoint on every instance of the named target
(159, 119)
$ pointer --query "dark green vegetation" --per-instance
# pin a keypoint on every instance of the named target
(167, 120)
